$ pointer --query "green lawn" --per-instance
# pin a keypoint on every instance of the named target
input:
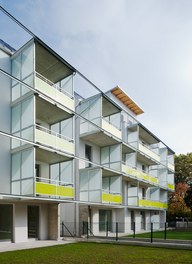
(92, 253)
(171, 234)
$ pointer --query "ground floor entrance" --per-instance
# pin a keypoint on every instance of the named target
(6, 222)
(33, 221)
(105, 220)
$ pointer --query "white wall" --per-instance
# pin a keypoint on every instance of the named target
(43, 222)
(20, 230)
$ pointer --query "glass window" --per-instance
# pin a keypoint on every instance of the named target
(66, 171)
(94, 180)
(83, 176)
(27, 62)
(27, 164)
(55, 172)
(105, 155)
(27, 113)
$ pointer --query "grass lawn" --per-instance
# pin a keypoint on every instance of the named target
(171, 234)
(92, 253)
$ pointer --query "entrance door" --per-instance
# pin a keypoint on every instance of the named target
(143, 220)
(33, 221)
(105, 220)
(132, 219)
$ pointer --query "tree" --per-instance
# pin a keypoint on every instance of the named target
(183, 168)
(188, 197)
(177, 206)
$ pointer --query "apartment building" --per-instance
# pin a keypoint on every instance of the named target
(69, 157)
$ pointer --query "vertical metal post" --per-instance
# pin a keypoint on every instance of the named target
(117, 231)
(151, 232)
(83, 227)
(62, 228)
(107, 228)
(87, 230)
(165, 232)
(133, 229)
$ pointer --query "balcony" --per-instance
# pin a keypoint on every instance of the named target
(171, 186)
(54, 140)
(111, 198)
(146, 151)
(47, 187)
(100, 132)
(54, 92)
(139, 174)
(170, 166)
(152, 204)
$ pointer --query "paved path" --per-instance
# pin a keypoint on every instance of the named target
(8, 246)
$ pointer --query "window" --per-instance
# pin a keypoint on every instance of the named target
(88, 154)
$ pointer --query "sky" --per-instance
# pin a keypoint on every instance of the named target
(144, 46)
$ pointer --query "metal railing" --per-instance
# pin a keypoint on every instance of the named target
(53, 85)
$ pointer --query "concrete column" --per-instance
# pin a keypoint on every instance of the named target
(54, 221)
(20, 226)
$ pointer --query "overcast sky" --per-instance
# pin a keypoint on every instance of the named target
(144, 46)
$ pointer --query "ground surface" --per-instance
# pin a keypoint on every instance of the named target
(95, 253)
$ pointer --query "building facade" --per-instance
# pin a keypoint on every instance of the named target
(69, 157)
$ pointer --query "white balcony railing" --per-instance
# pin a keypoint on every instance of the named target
(54, 140)
(53, 91)
(111, 128)
(144, 149)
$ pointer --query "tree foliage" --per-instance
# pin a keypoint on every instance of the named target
(183, 168)
(188, 197)
(177, 205)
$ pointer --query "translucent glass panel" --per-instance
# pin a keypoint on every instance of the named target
(114, 120)
(22, 175)
(90, 185)
(91, 109)
(23, 69)
(23, 120)
(111, 156)
(64, 128)
(111, 184)
(62, 172)
(67, 85)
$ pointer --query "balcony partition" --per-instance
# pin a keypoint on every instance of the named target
(111, 190)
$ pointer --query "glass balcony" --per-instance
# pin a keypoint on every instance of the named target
(152, 204)
(111, 198)
(48, 187)
(139, 174)
(109, 127)
(170, 166)
(144, 149)
(171, 186)
(54, 140)
(54, 92)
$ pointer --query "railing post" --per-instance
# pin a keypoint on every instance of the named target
(107, 227)
(87, 230)
(151, 232)
(83, 227)
(165, 232)
(62, 228)
(133, 229)
(117, 231)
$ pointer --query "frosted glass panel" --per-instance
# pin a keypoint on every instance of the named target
(16, 66)
(16, 188)
(16, 122)
(105, 184)
(55, 172)
(94, 180)
(27, 187)
(16, 91)
(95, 196)
(84, 196)
(67, 128)
(94, 110)
(16, 166)
(27, 61)
(115, 184)
(67, 84)
(66, 172)
(105, 155)
(115, 153)
(83, 180)
(27, 113)
(27, 164)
